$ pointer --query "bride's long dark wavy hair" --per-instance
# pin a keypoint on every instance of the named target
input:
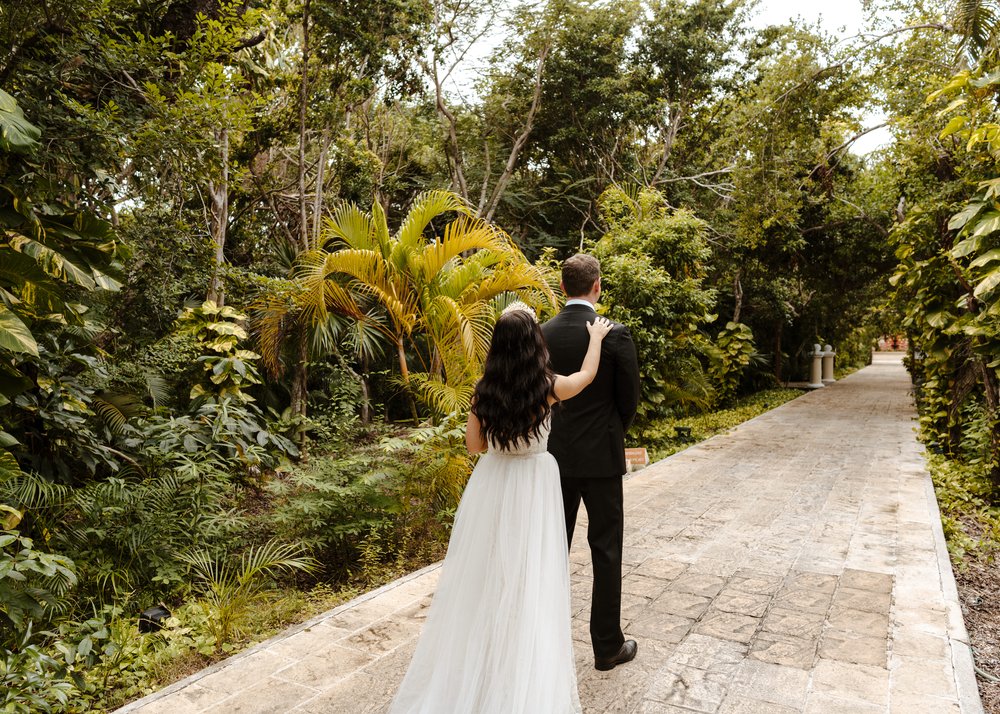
(512, 398)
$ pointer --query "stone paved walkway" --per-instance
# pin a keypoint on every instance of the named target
(795, 564)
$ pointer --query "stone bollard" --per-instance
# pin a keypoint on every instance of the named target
(816, 369)
(828, 355)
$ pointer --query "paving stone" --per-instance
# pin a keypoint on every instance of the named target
(903, 703)
(784, 650)
(661, 568)
(727, 626)
(244, 671)
(914, 643)
(742, 603)
(698, 584)
(822, 703)
(868, 623)
(344, 698)
(756, 582)
(661, 626)
(852, 681)
(738, 704)
(648, 706)
(862, 580)
(848, 646)
(190, 700)
(798, 623)
(270, 696)
(307, 642)
(851, 598)
(803, 599)
(690, 688)
(633, 606)
(325, 669)
(644, 586)
(777, 684)
(914, 675)
(383, 636)
(820, 582)
(928, 619)
(709, 653)
(682, 604)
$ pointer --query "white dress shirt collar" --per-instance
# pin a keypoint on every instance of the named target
(581, 301)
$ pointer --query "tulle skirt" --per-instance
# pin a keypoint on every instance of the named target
(497, 637)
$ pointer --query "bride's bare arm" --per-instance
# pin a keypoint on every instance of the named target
(474, 440)
(570, 386)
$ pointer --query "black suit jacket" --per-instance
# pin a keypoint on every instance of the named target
(588, 431)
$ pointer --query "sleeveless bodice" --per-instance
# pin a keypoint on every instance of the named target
(537, 445)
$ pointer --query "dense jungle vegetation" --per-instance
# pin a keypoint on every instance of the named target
(253, 251)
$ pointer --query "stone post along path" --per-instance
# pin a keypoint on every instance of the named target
(794, 564)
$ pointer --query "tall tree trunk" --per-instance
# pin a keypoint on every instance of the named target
(404, 370)
(454, 149)
(300, 382)
(219, 193)
(366, 391)
(303, 104)
(669, 139)
(522, 138)
(991, 392)
(317, 216)
(777, 350)
(737, 297)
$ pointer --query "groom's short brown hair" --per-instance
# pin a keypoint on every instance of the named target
(579, 273)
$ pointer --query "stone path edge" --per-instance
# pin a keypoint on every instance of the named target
(284, 634)
(961, 649)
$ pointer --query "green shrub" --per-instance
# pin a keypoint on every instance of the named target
(33, 584)
(661, 438)
(33, 681)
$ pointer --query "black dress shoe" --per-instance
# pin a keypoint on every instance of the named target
(625, 654)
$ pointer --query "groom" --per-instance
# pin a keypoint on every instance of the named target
(588, 442)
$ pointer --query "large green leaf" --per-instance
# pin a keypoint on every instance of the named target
(15, 335)
(988, 284)
(959, 220)
(990, 256)
(16, 133)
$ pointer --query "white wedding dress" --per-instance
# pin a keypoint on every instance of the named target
(497, 637)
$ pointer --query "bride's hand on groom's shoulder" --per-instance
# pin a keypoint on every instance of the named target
(600, 327)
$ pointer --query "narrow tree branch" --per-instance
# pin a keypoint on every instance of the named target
(522, 139)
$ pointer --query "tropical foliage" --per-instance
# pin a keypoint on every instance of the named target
(252, 254)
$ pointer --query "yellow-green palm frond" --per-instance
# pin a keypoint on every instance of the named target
(462, 326)
(116, 409)
(367, 336)
(381, 227)
(426, 207)
(440, 397)
(462, 235)
(271, 317)
(513, 277)
(326, 283)
(460, 278)
(351, 227)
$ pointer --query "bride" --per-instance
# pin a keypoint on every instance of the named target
(497, 637)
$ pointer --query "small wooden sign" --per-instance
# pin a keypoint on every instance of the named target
(636, 458)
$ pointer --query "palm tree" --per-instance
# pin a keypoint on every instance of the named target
(442, 286)
(978, 23)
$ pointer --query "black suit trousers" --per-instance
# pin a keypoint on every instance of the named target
(603, 499)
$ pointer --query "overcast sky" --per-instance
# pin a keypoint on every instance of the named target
(833, 14)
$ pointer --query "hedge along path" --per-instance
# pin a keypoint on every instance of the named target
(794, 564)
